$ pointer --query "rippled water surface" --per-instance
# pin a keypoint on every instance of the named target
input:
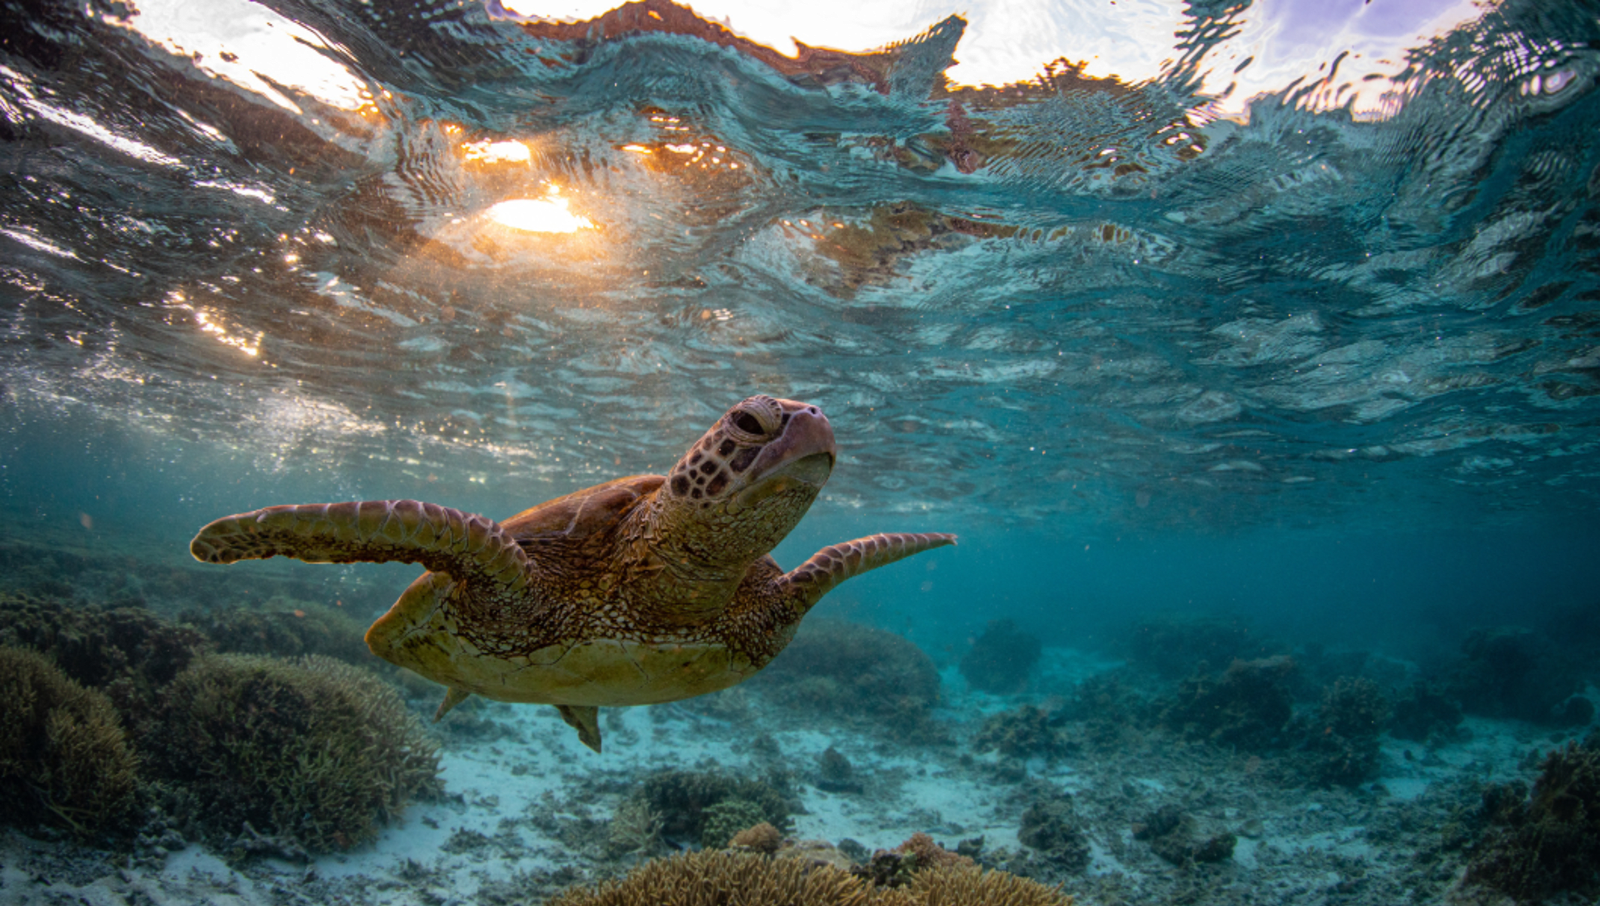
(446, 250)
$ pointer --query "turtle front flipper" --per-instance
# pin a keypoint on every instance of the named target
(586, 720)
(462, 545)
(805, 585)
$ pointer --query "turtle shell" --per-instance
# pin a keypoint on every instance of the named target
(582, 513)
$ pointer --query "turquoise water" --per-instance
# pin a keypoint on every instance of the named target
(1309, 341)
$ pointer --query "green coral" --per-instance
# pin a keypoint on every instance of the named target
(64, 760)
(285, 627)
(726, 818)
(684, 799)
(312, 749)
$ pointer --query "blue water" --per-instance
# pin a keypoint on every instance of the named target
(1327, 363)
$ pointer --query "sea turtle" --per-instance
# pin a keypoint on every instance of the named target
(637, 591)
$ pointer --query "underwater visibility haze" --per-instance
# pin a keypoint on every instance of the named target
(1252, 349)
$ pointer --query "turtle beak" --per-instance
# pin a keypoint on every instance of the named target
(802, 456)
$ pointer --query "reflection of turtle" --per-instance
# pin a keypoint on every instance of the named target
(640, 590)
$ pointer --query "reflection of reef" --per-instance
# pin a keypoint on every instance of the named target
(869, 251)
(1550, 843)
(1000, 659)
(813, 64)
(855, 672)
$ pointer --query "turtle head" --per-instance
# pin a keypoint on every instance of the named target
(746, 482)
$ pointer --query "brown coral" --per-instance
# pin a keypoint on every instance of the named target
(709, 878)
(763, 838)
(64, 760)
(929, 853)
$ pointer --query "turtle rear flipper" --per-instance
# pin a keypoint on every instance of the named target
(466, 547)
(807, 583)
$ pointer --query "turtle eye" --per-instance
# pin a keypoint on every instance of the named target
(749, 424)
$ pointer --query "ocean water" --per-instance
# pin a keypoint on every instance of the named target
(1274, 313)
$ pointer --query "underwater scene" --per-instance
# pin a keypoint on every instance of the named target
(1002, 453)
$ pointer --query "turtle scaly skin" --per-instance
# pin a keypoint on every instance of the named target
(641, 590)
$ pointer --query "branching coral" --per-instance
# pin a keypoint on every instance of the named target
(708, 878)
(635, 830)
(63, 758)
(312, 749)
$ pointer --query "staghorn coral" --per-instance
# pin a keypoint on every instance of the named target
(313, 749)
(1000, 659)
(855, 672)
(708, 878)
(64, 761)
(1550, 843)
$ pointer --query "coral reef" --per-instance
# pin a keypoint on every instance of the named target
(635, 830)
(126, 652)
(722, 821)
(1341, 745)
(1051, 827)
(684, 801)
(313, 749)
(1516, 673)
(1000, 659)
(761, 838)
(1247, 706)
(1549, 843)
(929, 854)
(856, 672)
(1180, 644)
(736, 879)
(1023, 733)
(285, 627)
(1171, 834)
(835, 774)
(64, 760)
(1424, 713)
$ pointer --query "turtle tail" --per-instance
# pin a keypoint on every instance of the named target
(809, 581)
(462, 545)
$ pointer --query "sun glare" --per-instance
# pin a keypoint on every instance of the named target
(539, 215)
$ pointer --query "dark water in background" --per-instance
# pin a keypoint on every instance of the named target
(1331, 370)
